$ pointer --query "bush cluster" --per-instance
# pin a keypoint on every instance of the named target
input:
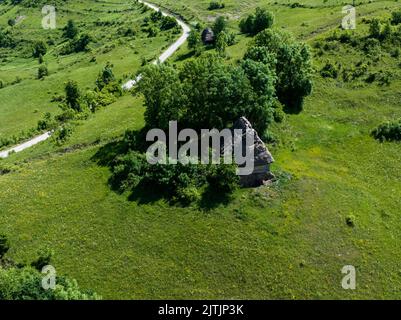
(179, 183)
(388, 131)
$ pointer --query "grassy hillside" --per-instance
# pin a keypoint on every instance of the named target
(289, 240)
(25, 98)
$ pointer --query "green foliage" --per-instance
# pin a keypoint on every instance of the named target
(81, 43)
(156, 16)
(39, 49)
(26, 284)
(223, 178)
(220, 25)
(388, 131)
(207, 93)
(20, 282)
(6, 41)
(70, 30)
(78, 44)
(44, 258)
(168, 23)
(62, 133)
(105, 77)
(255, 23)
(214, 5)
(396, 17)
(11, 22)
(329, 70)
(42, 71)
(221, 43)
(375, 28)
(73, 95)
(164, 95)
(179, 183)
(4, 245)
(293, 66)
(194, 39)
(47, 122)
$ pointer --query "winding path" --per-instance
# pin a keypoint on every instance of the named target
(128, 85)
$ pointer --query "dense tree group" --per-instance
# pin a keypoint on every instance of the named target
(207, 93)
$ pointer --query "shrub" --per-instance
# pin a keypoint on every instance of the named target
(70, 30)
(62, 134)
(375, 28)
(396, 17)
(6, 40)
(168, 23)
(329, 71)
(73, 95)
(42, 72)
(187, 195)
(39, 48)
(105, 77)
(11, 22)
(214, 5)
(46, 123)
(4, 245)
(388, 131)
(156, 16)
(223, 178)
(81, 43)
(350, 220)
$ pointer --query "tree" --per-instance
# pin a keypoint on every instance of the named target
(163, 93)
(73, 95)
(81, 43)
(39, 48)
(105, 77)
(221, 43)
(375, 28)
(293, 66)
(263, 19)
(4, 245)
(42, 72)
(194, 39)
(247, 24)
(255, 23)
(70, 30)
(219, 26)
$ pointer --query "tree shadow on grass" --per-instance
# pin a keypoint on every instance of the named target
(143, 193)
(211, 199)
(107, 153)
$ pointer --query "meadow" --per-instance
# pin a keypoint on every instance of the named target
(336, 202)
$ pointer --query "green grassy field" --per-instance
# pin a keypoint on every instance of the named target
(289, 240)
